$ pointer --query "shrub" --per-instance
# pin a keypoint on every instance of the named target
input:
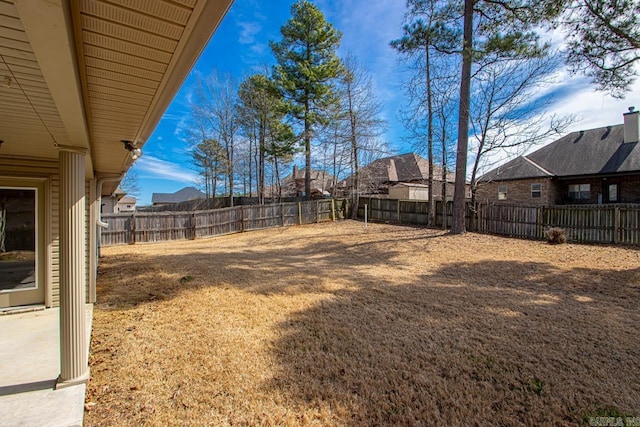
(556, 236)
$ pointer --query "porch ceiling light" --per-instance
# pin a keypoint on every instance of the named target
(134, 151)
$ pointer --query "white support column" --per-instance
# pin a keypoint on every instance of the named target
(94, 209)
(73, 344)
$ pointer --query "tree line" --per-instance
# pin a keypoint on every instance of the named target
(244, 135)
(479, 73)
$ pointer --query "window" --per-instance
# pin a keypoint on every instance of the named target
(502, 192)
(536, 191)
(580, 191)
(613, 192)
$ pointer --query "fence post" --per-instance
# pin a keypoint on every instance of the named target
(299, 213)
(365, 214)
(398, 210)
(242, 218)
(317, 211)
(282, 214)
(133, 228)
(540, 221)
(194, 230)
(616, 225)
(333, 209)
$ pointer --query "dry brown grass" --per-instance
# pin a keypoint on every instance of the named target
(337, 324)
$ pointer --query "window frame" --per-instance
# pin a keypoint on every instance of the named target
(536, 194)
(581, 191)
(502, 194)
(37, 237)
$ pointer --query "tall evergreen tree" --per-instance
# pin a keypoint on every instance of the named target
(306, 66)
(604, 41)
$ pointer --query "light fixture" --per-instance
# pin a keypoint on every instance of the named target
(134, 151)
(7, 81)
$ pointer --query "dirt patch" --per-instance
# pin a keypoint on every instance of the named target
(338, 324)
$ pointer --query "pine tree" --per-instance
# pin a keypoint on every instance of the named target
(306, 67)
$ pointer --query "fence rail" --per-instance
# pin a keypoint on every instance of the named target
(148, 227)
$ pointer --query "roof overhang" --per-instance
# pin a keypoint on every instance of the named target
(90, 73)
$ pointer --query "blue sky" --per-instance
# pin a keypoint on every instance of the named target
(240, 47)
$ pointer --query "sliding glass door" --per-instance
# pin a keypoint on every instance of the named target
(19, 254)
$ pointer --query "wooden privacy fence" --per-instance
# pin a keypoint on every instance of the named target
(148, 227)
(406, 211)
(582, 223)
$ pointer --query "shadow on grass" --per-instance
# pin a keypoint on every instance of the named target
(490, 343)
(466, 346)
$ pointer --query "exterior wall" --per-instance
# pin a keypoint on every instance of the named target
(556, 192)
(50, 227)
(408, 193)
(628, 190)
(518, 192)
(108, 204)
(125, 205)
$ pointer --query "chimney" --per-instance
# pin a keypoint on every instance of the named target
(631, 125)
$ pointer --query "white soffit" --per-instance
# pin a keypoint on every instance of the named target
(134, 55)
(30, 123)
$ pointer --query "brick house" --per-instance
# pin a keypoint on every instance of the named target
(599, 165)
(382, 174)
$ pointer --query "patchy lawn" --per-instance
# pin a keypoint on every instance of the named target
(338, 324)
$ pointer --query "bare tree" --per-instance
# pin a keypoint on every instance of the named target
(507, 114)
(129, 183)
(216, 101)
(362, 112)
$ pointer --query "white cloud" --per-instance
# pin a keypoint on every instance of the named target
(155, 168)
(248, 31)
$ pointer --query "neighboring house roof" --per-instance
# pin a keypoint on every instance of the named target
(402, 168)
(295, 182)
(127, 200)
(184, 195)
(597, 151)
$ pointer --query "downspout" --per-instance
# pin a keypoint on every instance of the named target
(95, 252)
(101, 181)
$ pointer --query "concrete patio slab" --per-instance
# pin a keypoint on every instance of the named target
(29, 367)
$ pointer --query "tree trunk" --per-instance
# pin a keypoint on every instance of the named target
(459, 194)
(431, 219)
(307, 153)
(262, 136)
(231, 177)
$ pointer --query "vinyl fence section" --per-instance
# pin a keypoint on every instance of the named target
(149, 227)
(582, 223)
